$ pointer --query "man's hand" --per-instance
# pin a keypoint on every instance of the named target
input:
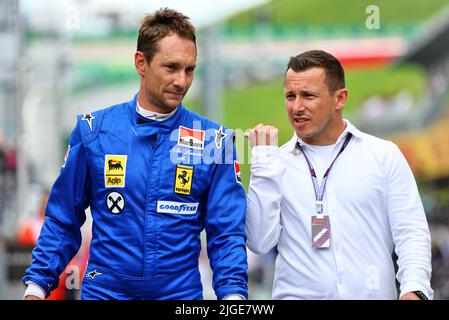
(409, 296)
(31, 297)
(262, 135)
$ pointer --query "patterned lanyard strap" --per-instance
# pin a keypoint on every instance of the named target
(319, 189)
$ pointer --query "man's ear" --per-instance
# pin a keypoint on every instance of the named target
(140, 62)
(341, 96)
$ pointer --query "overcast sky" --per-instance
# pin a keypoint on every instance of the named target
(200, 11)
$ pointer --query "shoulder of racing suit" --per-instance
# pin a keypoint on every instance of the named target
(90, 123)
(208, 124)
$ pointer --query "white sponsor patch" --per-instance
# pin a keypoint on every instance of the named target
(177, 207)
(190, 138)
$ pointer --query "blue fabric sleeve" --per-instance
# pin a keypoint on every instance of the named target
(60, 237)
(225, 227)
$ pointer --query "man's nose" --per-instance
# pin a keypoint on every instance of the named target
(180, 80)
(298, 105)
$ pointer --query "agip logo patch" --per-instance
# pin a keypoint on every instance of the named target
(183, 179)
(115, 170)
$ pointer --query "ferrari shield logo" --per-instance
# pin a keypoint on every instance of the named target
(115, 171)
(183, 179)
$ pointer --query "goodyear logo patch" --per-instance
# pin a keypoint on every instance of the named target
(177, 207)
(183, 179)
(115, 170)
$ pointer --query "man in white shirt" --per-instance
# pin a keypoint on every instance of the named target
(334, 200)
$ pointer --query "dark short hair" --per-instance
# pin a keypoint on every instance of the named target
(335, 75)
(160, 24)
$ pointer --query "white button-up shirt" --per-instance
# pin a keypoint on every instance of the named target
(373, 205)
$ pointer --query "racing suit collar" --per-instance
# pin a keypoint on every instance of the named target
(146, 127)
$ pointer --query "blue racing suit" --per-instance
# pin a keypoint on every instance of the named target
(152, 187)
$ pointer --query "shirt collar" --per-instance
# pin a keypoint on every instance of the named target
(153, 115)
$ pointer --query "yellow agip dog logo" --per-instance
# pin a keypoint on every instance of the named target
(115, 170)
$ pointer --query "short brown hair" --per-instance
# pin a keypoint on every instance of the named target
(160, 24)
(335, 75)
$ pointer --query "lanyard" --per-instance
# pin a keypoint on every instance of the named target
(319, 189)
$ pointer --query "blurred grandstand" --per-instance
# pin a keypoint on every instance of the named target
(66, 59)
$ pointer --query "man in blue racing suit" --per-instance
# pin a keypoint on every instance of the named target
(154, 175)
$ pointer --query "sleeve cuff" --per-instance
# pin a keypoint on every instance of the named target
(410, 287)
(34, 290)
(231, 290)
(234, 297)
(264, 154)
